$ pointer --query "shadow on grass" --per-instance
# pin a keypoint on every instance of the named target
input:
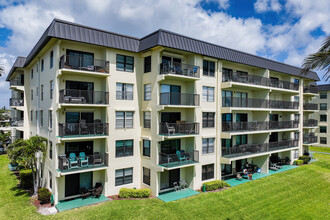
(21, 192)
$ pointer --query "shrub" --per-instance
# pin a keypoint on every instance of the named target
(134, 193)
(306, 159)
(214, 185)
(26, 179)
(298, 162)
(44, 195)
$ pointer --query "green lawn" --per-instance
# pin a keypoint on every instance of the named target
(320, 149)
(301, 193)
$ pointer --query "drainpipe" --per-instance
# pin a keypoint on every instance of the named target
(37, 96)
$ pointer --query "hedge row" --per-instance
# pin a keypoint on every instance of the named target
(26, 179)
(214, 185)
(306, 159)
(298, 162)
(134, 193)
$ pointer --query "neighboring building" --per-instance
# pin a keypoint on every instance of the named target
(323, 104)
(133, 105)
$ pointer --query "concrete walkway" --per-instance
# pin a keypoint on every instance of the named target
(319, 152)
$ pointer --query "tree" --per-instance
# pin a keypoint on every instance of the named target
(319, 60)
(5, 138)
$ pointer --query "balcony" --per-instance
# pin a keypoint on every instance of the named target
(248, 149)
(258, 126)
(258, 103)
(72, 96)
(175, 98)
(310, 139)
(83, 129)
(310, 106)
(258, 80)
(84, 64)
(178, 129)
(180, 158)
(311, 89)
(16, 122)
(71, 164)
(180, 69)
(310, 123)
(16, 102)
(17, 81)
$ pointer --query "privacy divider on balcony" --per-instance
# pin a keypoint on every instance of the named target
(176, 98)
(246, 149)
(180, 128)
(16, 122)
(310, 123)
(82, 129)
(257, 103)
(16, 102)
(258, 126)
(258, 80)
(68, 164)
(310, 138)
(84, 63)
(311, 89)
(180, 69)
(83, 97)
(180, 158)
(310, 106)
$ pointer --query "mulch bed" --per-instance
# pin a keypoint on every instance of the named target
(37, 204)
(116, 197)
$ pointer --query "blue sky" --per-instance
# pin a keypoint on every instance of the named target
(286, 31)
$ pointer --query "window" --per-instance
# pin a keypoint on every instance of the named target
(125, 63)
(241, 139)
(208, 94)
(51, 61)
(37, 116)
(124, 148)
(147, 92)
(296, 81)
(146, 148)
(323, 140)
(208, 119)
(50, 121)
(124, 119)
(323, 118)
(323, 106)
(31, 115)
(208, 68)
(42, 65)
(146, 176)
(42, 92)
(31, 73)
(295, 154)
(207, 172)
(227, 74)
(124, 91)
(323, 129)
(50, 180)
(147, 64)
(50, 150)
(147, 119)
(31, 94)
(323, 95)
(296, 99)
(51, 89)
(41, 118)
(208, 145)
(124, 176)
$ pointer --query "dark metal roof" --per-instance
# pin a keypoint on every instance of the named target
(71, 31)
(19, 63)
(325, 87)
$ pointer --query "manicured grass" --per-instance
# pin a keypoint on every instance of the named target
(301, 193)
(320, 149)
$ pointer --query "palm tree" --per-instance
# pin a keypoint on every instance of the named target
(319, 60)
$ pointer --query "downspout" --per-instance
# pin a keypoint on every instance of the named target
(37, 96)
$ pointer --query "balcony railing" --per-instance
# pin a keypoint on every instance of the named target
(16, 102)
(17, 81)
(16, 122)
(257, 103)
(311, 89)
(180, 69)
(310, 106)
(175, 98)
(182, 128)
(124, 95)
(247, 149)
(85, 64)
(310, 123)
(69, 164)
(258, 80)
(310, 139)
(258, 126)
(83, 129)
(83, 97)
(180, 158)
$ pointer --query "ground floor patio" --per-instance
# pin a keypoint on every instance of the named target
(79, 202)
(176, 195)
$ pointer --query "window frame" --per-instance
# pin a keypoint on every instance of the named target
(207, 68)
(42, 65)
(324, 118)
(325, 106)
(41, 118)
(146, 177)
(146, 121)
(323, 129)
(147, 92)
(51, 89)
(146, 151)
(42, 92)
(207, 171)
(51, 59)
(50, 150)
(125, 63)
(208, 147)
(128, 151)
(50, 119)
(124, 119)
(124, 176)
(324, 140)
(323, 95)
(208, 97)
(124, 90)
(147, 64)
(207, 122)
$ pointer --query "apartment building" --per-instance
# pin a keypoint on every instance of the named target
(149, 112)
(323, 103)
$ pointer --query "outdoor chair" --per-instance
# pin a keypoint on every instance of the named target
(83, 127)
(98, 126)
(97, 191)
(83, 159)
(183, 184)
(170, 129)
(239, 177)
(273, 167)
(65, 161)
(176, 186)
(73, 161)
(181, 157)
(84, 193)
(97, 158)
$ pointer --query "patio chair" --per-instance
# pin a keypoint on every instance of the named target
(287, 160)
(273, 167)
(98, 126)
(170, 129)
(84, 193)
(73, 161)
(97, 158)
(97, 191)
(83, 159)
(183, 184)
(65, 161)
(83, 127)
(176, 186)
(181, 157)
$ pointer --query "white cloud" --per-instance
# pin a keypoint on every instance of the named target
(267, 5)
(223, 4)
